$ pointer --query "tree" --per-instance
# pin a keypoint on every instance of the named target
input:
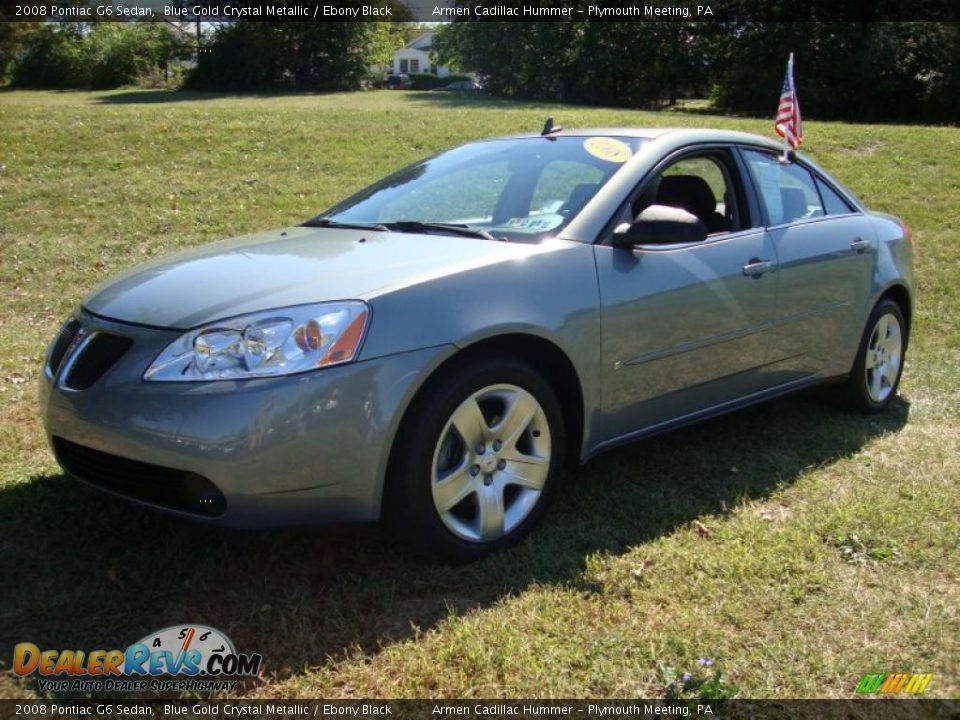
(13, 39)
(51, 56)
(100, 55)
(300, 56)
(873, 71)
(639, 64)
(851, 70)
(631, 64)
(121, 54)
(532, 60)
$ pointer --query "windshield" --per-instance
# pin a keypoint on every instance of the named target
(521, 189)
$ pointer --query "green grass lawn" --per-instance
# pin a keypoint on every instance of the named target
(796, 545)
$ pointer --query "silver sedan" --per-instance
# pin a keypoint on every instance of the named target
(434, 348)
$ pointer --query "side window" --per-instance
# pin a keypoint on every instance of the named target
(787, 190)
(703, 186)
(833, 203)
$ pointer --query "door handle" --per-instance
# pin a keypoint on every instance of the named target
(757, 267)
(859, 245)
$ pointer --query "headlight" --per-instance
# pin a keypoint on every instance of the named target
(266, 344)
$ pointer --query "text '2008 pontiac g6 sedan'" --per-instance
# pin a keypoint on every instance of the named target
(434, 348)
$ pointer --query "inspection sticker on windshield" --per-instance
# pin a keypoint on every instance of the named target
(540, 223)
(607, 148)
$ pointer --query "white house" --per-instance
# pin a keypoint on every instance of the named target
(414, 57)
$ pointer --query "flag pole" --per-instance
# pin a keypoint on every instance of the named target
(786, 143)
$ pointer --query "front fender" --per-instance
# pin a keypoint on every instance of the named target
(550, 293)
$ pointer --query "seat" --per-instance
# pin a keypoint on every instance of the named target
(693, 194)
(794, 204)
(579, 197)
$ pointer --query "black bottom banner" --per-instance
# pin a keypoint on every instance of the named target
(868, 709)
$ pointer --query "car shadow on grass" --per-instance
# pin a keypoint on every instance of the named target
(86, 571)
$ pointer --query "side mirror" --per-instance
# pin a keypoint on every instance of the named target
(660, 225)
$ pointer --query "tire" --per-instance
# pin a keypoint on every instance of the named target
(875, 376)
(448, 499)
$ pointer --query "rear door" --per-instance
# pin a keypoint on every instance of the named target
(825, 250)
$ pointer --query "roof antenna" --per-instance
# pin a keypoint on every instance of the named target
(549, 128)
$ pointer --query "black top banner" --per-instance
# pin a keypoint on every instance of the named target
(218, 11)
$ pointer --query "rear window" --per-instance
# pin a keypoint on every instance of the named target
(788, 190)
(832, 202)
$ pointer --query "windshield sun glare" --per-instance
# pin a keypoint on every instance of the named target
(521, 189)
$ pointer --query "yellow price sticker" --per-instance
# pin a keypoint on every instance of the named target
(609, 149)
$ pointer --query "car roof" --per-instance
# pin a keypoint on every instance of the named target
(673, 136)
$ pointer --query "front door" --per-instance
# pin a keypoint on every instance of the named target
(685, 327)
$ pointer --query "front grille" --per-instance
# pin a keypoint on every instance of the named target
(60, 345)
(94, 358)
(175, 489)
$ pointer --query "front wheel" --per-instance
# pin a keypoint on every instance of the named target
(876, 372)
(476, 459)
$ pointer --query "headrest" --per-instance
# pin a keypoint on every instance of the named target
(689, 192)
(794, 204)
(580, 194)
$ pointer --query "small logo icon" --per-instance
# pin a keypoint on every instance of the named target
(894, 683)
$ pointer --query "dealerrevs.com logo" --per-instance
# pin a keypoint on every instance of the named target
(200, 658)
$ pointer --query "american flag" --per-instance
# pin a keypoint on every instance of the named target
(788, 124)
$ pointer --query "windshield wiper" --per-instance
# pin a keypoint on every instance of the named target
(328, 223)
(452, 228)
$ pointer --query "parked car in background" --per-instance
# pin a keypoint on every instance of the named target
(435, 347)
(399, 81)
(461, 86)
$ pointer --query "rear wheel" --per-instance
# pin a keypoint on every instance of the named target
(876, 372)
(477, 459)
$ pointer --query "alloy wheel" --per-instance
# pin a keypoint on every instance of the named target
(491, 463)
(883, 357)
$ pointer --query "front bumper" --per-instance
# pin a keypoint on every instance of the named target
(279, 451)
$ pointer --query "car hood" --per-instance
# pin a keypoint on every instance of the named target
(289, 267)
